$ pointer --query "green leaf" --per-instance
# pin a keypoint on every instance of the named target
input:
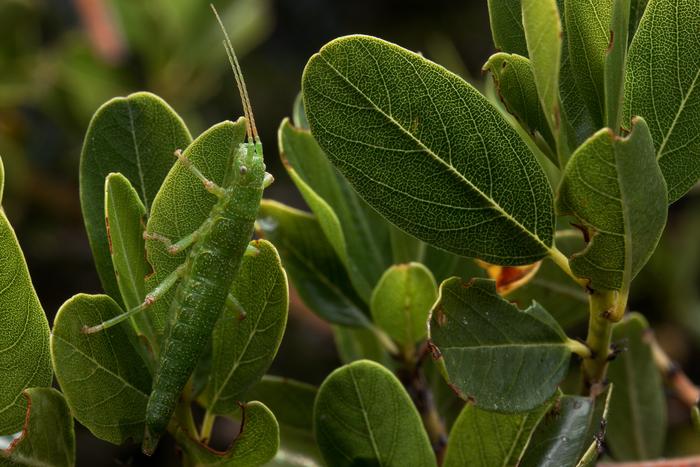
(615, 56)
(637, 8)
(552, 288)
(24, 340)
(182, 204)
(125, 214)
(588, 35)
(482, 438)
(135, 135)
(255, 445)
(505, 17)
(567, 432)
(2, 179)
(363, 416)
(401, 302)
(47, 437)
(543, 32)
(292, 402)
(358, 234)
(103, 376)
(637, 422)
(427, 151)
(615, 188)
(313, 266)
(355, 344)
(579, 121)
(244, 346)
(515, 82)
(665, 55)
(501, 358)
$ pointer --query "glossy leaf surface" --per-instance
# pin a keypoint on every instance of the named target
(566, 432)
(24, 339)
(502, 358)
(363, 416)
(47, 437)
(615, 188)
(136, 136)
(103, 376)
(429, 152)
(662, 85)
(637, 420)
(245, 345)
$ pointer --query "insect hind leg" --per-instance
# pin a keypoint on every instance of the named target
(157, 293)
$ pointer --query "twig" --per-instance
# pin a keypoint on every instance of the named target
(683, 387)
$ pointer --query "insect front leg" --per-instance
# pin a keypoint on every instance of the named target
(155, 294)
(209, 185)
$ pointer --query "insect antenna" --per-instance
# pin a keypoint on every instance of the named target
(240, 82)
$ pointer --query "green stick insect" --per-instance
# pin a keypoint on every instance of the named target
(206, 276)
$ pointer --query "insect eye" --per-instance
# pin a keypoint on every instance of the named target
(243, 170)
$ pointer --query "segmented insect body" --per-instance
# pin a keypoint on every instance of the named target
(208, 274)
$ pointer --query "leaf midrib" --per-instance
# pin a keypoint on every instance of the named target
(429, 151)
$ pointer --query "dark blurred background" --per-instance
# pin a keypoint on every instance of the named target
(61, 59)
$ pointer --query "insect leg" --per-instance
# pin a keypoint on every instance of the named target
(209, 185)
(182, 244)
(150, 299)
(232, 304)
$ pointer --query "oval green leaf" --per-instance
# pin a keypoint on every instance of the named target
(483, 439)
(292, 402)
(401, 302)
(103, 376)
(136, 136)
(588, 35)
(47, 437)
(569, 433)
(125, 215)
(358, 234)
(182, 204)
(256, 443)
(637, 420)
(427, 151)
(501, 358)
(363, 416)
(543, 31)
(24, 340)
(665, 55)
(515, 81)
(245, 345)
(615, 188)
(312, 264)
(505, 17)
